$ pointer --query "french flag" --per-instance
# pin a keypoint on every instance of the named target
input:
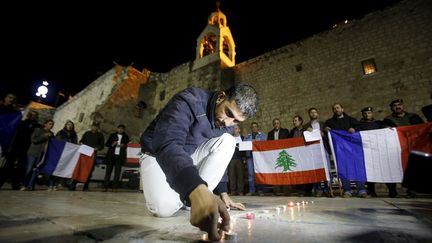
(289, 161)
(379, 155)
(68, 160)
(8, 125)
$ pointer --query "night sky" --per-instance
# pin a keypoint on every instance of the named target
(70, 44)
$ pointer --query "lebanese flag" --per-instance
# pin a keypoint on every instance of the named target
(133, 152)
(68, 160)
(289, 161)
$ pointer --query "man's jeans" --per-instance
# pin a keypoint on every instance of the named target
(361, 189)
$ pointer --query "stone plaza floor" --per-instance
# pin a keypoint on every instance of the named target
(94, 216)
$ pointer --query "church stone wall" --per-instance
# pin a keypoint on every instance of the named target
(163, 86)
(121, 106)
(86, 102)
(109, 101)
(326, 68)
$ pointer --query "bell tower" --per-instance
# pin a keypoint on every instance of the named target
(215, 43)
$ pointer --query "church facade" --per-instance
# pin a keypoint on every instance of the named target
(368, 62)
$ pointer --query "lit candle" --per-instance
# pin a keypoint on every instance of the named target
(292, 213)
(290, 204)
(250, 215)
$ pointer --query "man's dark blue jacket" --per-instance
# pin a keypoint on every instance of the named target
(180, 127)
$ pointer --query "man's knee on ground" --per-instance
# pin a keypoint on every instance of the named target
(164, 209)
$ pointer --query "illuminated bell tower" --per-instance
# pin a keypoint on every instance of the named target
(215, 43)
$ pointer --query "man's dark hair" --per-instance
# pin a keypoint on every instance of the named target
(245, 97)
(299, 117)
(311, 109)
(337, 104)
(121, 126)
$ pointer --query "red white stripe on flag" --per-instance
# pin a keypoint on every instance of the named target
(416, 137)
(133, 152)
(288, 161)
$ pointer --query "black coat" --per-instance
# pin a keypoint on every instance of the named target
(344, 123)
(364, 125)
(283, 133)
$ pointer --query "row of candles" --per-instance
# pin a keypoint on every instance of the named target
(231, 235)
(250, 215)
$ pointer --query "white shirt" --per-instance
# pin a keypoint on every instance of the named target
(276, 135)
(238, 139)
(117, 148)
(315, 125)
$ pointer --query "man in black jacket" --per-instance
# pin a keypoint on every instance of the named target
(368, 122)
(341, 121)
(116, 156)
(187, 149)
(398, 118)
(16, 157)
(277, 132)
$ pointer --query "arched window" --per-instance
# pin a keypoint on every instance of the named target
(208, 45)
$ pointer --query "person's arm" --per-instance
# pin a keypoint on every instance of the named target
(59, 135)
(40, 136)
(327, 126)
(170, 133)
(270, 135)
(389, 123)
(101, 142)
(75, 138)
(110, 141)
(125, 141)
(416, 119)
(353, 124)
(83, 138)
(308, 127)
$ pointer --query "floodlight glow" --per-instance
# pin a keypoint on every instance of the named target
(42, 91)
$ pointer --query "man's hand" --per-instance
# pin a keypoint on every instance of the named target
(309, 129)
(206, 209)
(351, 130)
(230, 203)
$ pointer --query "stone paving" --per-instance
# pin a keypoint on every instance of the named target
(65, 216)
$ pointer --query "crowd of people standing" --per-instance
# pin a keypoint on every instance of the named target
(24, 156)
